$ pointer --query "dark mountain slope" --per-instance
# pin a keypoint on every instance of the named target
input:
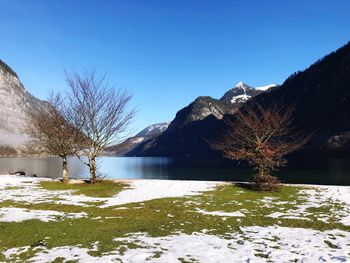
(131, 143)
(187, 141)
(321, 95)
(184, 136)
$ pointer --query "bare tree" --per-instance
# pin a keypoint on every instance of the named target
(51, 130)
(262, 136)
(103, 112)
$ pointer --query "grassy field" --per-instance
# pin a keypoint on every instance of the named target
(102, 189)
(219, 212)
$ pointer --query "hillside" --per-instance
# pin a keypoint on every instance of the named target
(321, 95)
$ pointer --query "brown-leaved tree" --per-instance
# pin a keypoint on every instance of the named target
(262, 136)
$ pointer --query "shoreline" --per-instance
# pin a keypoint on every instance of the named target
(180, 180)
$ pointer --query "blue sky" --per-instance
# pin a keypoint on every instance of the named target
(168, 52)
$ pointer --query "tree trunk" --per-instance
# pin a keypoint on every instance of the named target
(261, 173)
(265, 182)
(65, 169)
(92, 165)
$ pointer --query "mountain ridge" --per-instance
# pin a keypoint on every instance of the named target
(195, 122)
(320, 93)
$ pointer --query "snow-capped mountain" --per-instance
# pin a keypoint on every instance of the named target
(131, 143)
(197, 117)
(240, 93)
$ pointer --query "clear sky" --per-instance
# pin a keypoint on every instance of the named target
(168, 52)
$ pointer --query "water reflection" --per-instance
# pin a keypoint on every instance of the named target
(317, 171)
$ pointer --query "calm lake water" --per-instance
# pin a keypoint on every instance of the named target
(309, 171)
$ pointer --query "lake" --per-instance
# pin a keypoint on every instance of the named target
(334, 171)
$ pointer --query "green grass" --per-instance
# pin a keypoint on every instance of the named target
(102, 189)
(152, 217)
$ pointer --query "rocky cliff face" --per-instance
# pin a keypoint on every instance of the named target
(16, 101)
(200, 109)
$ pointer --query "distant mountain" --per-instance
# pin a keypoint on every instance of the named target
(16, 101)
(198, 120)
(321, 95)
(146, 134)
(153, 130)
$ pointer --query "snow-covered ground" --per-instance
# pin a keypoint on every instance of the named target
(27, 190)
(14, 214)
(139, 190)
(250, 244)
(279, 244)
(144, 190)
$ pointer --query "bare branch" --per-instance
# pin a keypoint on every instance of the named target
(102, 111)
(51, 129)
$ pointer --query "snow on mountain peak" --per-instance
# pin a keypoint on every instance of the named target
(240, 85)
(240, 98)
(267, 87)
(242, 92)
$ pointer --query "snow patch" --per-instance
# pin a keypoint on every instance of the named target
(221, 213)
(11, 214)
(267, 87)
(277, 244)
(240, 98)
(15, 251)
(29, 191)
(138, 140)
(143, 190)
(240, 85)
(243, 97)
